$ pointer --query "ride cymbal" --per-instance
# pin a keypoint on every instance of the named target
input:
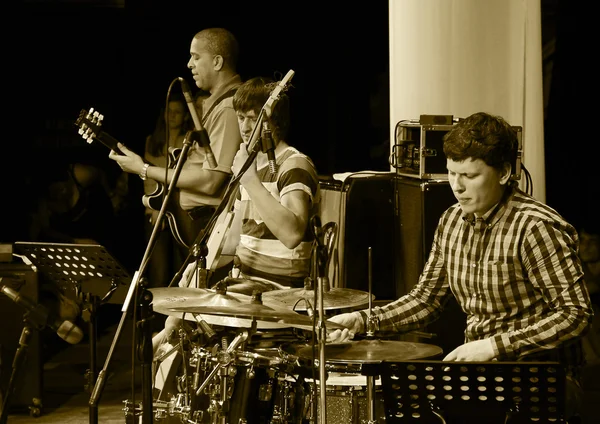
(337, 298)
(374, 351)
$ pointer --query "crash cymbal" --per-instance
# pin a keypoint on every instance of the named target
(166, 298)
(258, 312)
(373, 351)
(337, 298)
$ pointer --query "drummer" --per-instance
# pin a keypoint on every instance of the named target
(510, 261)
(272, 210)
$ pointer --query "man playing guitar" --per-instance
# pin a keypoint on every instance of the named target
(201, 182)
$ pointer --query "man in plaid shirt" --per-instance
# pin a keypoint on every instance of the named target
(510, 261)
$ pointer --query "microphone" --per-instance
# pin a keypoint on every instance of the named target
(268, 146)
(203, 139)
(205, 327)
(309, 309)
(66, 330)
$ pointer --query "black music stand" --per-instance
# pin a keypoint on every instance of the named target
(89, 270)
(473, 392)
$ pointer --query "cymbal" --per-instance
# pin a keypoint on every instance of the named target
(373, 351)
(166, 298)
(336, 298)
(259, 312)
(246, 286)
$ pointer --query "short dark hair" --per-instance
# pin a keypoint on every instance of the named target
(482, 136)
(252, 96)
(222, 42)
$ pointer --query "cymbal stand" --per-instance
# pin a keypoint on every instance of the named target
(321, 253)
(372, 326)
(144, 298)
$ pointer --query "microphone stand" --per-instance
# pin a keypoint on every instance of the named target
(18, 360)
(372, 326)
(321, 255)
(199, 244)
(145, 300)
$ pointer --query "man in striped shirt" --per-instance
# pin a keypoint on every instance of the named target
(510, 261)
(279, 192)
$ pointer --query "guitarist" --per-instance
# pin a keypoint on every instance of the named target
(213, 61)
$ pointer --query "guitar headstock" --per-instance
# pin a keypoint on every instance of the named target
(89, 123)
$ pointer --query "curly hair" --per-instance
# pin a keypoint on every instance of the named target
(482, 136)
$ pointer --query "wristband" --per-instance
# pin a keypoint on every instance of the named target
(144, 172)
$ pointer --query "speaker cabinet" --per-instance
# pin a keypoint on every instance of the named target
(29, 384)
(420, 205)
(363, 207)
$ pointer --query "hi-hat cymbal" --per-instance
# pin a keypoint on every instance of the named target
(167, 298)
(259, 312)
(336, 298)
(374, 351)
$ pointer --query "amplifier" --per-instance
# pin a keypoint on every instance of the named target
(363, 207)
(418, 151)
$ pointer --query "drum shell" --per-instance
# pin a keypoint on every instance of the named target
(346, 400)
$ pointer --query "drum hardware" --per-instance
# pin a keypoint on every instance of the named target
(220, 393)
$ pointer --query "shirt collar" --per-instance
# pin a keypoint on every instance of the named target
(232, 82)
(492, 216)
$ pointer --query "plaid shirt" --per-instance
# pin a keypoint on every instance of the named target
(516, 274)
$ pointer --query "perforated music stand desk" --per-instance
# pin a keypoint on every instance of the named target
(88, 267)
(428, 391)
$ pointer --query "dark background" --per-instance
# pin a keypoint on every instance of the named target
(121, 56)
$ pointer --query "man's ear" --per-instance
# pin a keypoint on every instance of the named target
(218, 62)
(506, 173)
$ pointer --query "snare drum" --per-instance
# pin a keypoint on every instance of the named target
(346, 399)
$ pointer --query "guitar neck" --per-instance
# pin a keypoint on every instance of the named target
(109, 141)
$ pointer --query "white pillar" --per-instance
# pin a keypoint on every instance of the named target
(458, 57)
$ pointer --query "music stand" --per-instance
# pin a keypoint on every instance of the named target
(90, 270)
(473, 392)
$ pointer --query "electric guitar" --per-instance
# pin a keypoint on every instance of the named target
(89, 124)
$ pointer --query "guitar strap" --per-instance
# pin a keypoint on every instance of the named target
(219, 100)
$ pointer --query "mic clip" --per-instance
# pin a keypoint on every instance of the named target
(268, 146)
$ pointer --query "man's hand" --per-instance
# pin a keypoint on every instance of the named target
(187, 275)
(128, 161)
(351, 321)
(238, 162)
(477, 351)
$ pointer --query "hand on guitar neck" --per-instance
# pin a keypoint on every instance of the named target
(89, 126)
